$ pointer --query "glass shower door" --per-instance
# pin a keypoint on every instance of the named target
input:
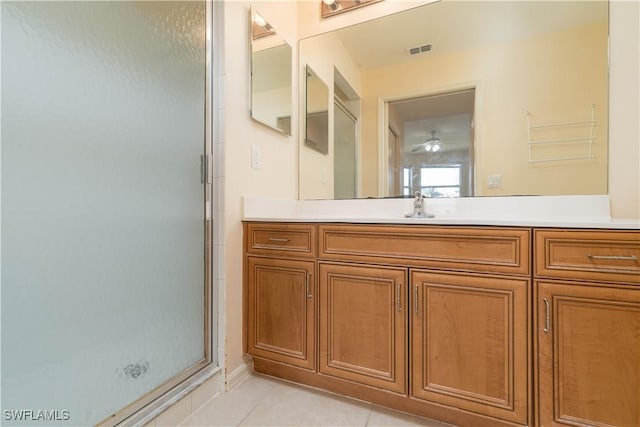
(103, 213)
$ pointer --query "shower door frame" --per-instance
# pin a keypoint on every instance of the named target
(150, 405)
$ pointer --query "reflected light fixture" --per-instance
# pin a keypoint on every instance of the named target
(433, 143)
(260, 21)
(333, 7)
(259, 26)
(332, 4)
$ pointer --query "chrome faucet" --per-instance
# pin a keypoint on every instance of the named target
(418, 208)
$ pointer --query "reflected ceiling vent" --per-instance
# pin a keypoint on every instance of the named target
(420, 49)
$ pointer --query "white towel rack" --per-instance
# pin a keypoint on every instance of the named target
(586, 140)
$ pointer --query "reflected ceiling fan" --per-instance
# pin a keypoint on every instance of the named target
(433, 144)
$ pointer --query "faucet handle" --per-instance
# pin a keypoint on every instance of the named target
(418, 201)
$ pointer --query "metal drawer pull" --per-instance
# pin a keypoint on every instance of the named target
(415, 299)
(547, 318)
(614, 257)
(275, 239)
(308, 287)
(399, 296)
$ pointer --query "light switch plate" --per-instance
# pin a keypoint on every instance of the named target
(494, 181)
(256, 157)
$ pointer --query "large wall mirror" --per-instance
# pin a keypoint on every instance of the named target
(472, 99)
(270, 75)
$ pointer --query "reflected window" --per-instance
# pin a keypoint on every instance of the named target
(406, 181)
(440, 181)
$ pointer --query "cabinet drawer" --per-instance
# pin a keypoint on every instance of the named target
(610, 256)
(483, 249)
(280, 239)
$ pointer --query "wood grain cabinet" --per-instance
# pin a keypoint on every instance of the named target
(473, 326)
(470, 311)
(587, 328)
(280, 293)
(470, 343)
(363, 324)
(281, 310)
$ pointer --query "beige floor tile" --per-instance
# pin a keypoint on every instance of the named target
(205, 391)
(381, 417)
(291, 405)
(229, 409)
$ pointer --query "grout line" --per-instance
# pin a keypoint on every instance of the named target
(255, 405)
(366, 422)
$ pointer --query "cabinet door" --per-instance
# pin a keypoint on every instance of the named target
(363, 324)
(588, 355)
(281, 310)
(470, 341)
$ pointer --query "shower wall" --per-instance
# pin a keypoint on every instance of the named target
(103, 260)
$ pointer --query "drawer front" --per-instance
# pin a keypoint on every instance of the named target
(281, 239)
(499, 250)
(610, 256)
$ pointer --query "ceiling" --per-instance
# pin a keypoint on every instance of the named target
(451, 25)
(448, 26)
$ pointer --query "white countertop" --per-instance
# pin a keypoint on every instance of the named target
(521, 211)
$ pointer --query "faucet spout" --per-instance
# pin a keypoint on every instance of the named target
(418, 207)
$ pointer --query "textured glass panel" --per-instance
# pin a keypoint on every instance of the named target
(102, 205)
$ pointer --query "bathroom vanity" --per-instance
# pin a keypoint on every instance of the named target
(473, 325)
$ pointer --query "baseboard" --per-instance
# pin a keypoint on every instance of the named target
(238, 375)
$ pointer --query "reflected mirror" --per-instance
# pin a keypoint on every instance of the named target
(270, 76)
(514, 95)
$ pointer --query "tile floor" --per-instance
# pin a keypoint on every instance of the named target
(265, 401)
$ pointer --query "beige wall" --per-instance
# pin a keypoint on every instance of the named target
(505, 91)
(277, 179)
(624, 96)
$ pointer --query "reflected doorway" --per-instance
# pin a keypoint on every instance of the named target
(345, 139)
(430, 145)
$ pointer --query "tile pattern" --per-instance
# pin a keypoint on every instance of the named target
(261, 401)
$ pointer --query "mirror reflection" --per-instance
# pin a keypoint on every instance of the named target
(317, 113)
(430, 145)
(270, 76)
(346, 111)
(472, 99)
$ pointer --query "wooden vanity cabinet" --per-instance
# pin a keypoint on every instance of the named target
(470, 343)
(440, 320)
(587, 327)
(363, 324)
(469, 313)
(280, 293)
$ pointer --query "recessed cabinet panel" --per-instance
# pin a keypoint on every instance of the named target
(281, 310)
(589, 355)
(497, 250)
(469, 339)
(363, 324)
